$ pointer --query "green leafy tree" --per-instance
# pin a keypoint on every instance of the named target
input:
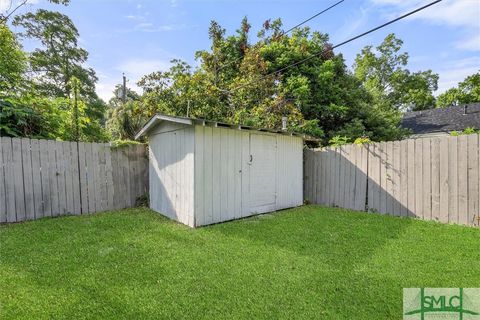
(384, 74)
(59, 59)
(468, 91)
(320, 97)
(57, 62)
(34, 117)
(11, 9)
(79, 122)
(125, 119)
(13, 62)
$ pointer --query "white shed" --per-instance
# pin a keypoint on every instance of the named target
(204, 172)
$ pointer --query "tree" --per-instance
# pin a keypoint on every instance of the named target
(11, 8)
(13, 62)
(320, 97)
(384, 74)
(60, 58)
(33, 117)
(468, 91)
(125, 119)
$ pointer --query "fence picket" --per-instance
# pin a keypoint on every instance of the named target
(45, 178)
(389, 177)
(411, 177)
(52, 178)
(463, 180)
(383, 178)
(61, 178)
(370, 149)
(37, 179)
(347, 182)
(29, 197)
(435, 159)
(109, 177)
(69, 197)
(354, 158)
(9, 179)
(328, 182)
(3, 200)
(83, 188)
(473, 179)
(444, 198)
(375, 181)
(396, 179)
(361, 178)
(427, 181)
(90, 177)
(76, 193)
(404, 178)
(96, 179)
(418, 166)
(452, 180)
(18, 183)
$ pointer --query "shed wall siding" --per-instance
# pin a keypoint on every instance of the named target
(218, 176)
(222, 173)
(172, 171)
(289, 172)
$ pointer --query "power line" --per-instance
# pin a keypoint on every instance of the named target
(289, 30)
(5, 18)
(312, 17)
(338, 45)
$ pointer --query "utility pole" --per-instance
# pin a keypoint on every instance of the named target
(124, 89)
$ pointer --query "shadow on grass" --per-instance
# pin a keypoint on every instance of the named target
(309, 262)
(319, 231)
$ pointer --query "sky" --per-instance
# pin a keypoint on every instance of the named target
(138, 37)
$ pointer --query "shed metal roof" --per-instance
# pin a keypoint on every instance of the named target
(156, 119)
(455, 118)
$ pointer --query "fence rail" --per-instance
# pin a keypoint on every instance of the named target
(45, 178)
(428, 178)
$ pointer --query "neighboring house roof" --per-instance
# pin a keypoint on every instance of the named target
(455, 118)
(156, 119)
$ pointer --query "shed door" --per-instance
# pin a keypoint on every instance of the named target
(262, 173)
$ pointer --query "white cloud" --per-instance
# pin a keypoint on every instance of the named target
(144, 25)
(6, 6)
(463, 14)
(456, 71)
(135, 17)
(104, 89)
(150, 27)
(451, 12)
(136, 68)
(352, 23)
(471, 43)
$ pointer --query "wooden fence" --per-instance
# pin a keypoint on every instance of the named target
(44, 178)
(428, 178)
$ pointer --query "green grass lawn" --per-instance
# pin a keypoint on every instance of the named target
(310, 262)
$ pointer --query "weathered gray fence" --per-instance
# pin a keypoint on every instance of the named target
(428, 178)
(45, 178)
